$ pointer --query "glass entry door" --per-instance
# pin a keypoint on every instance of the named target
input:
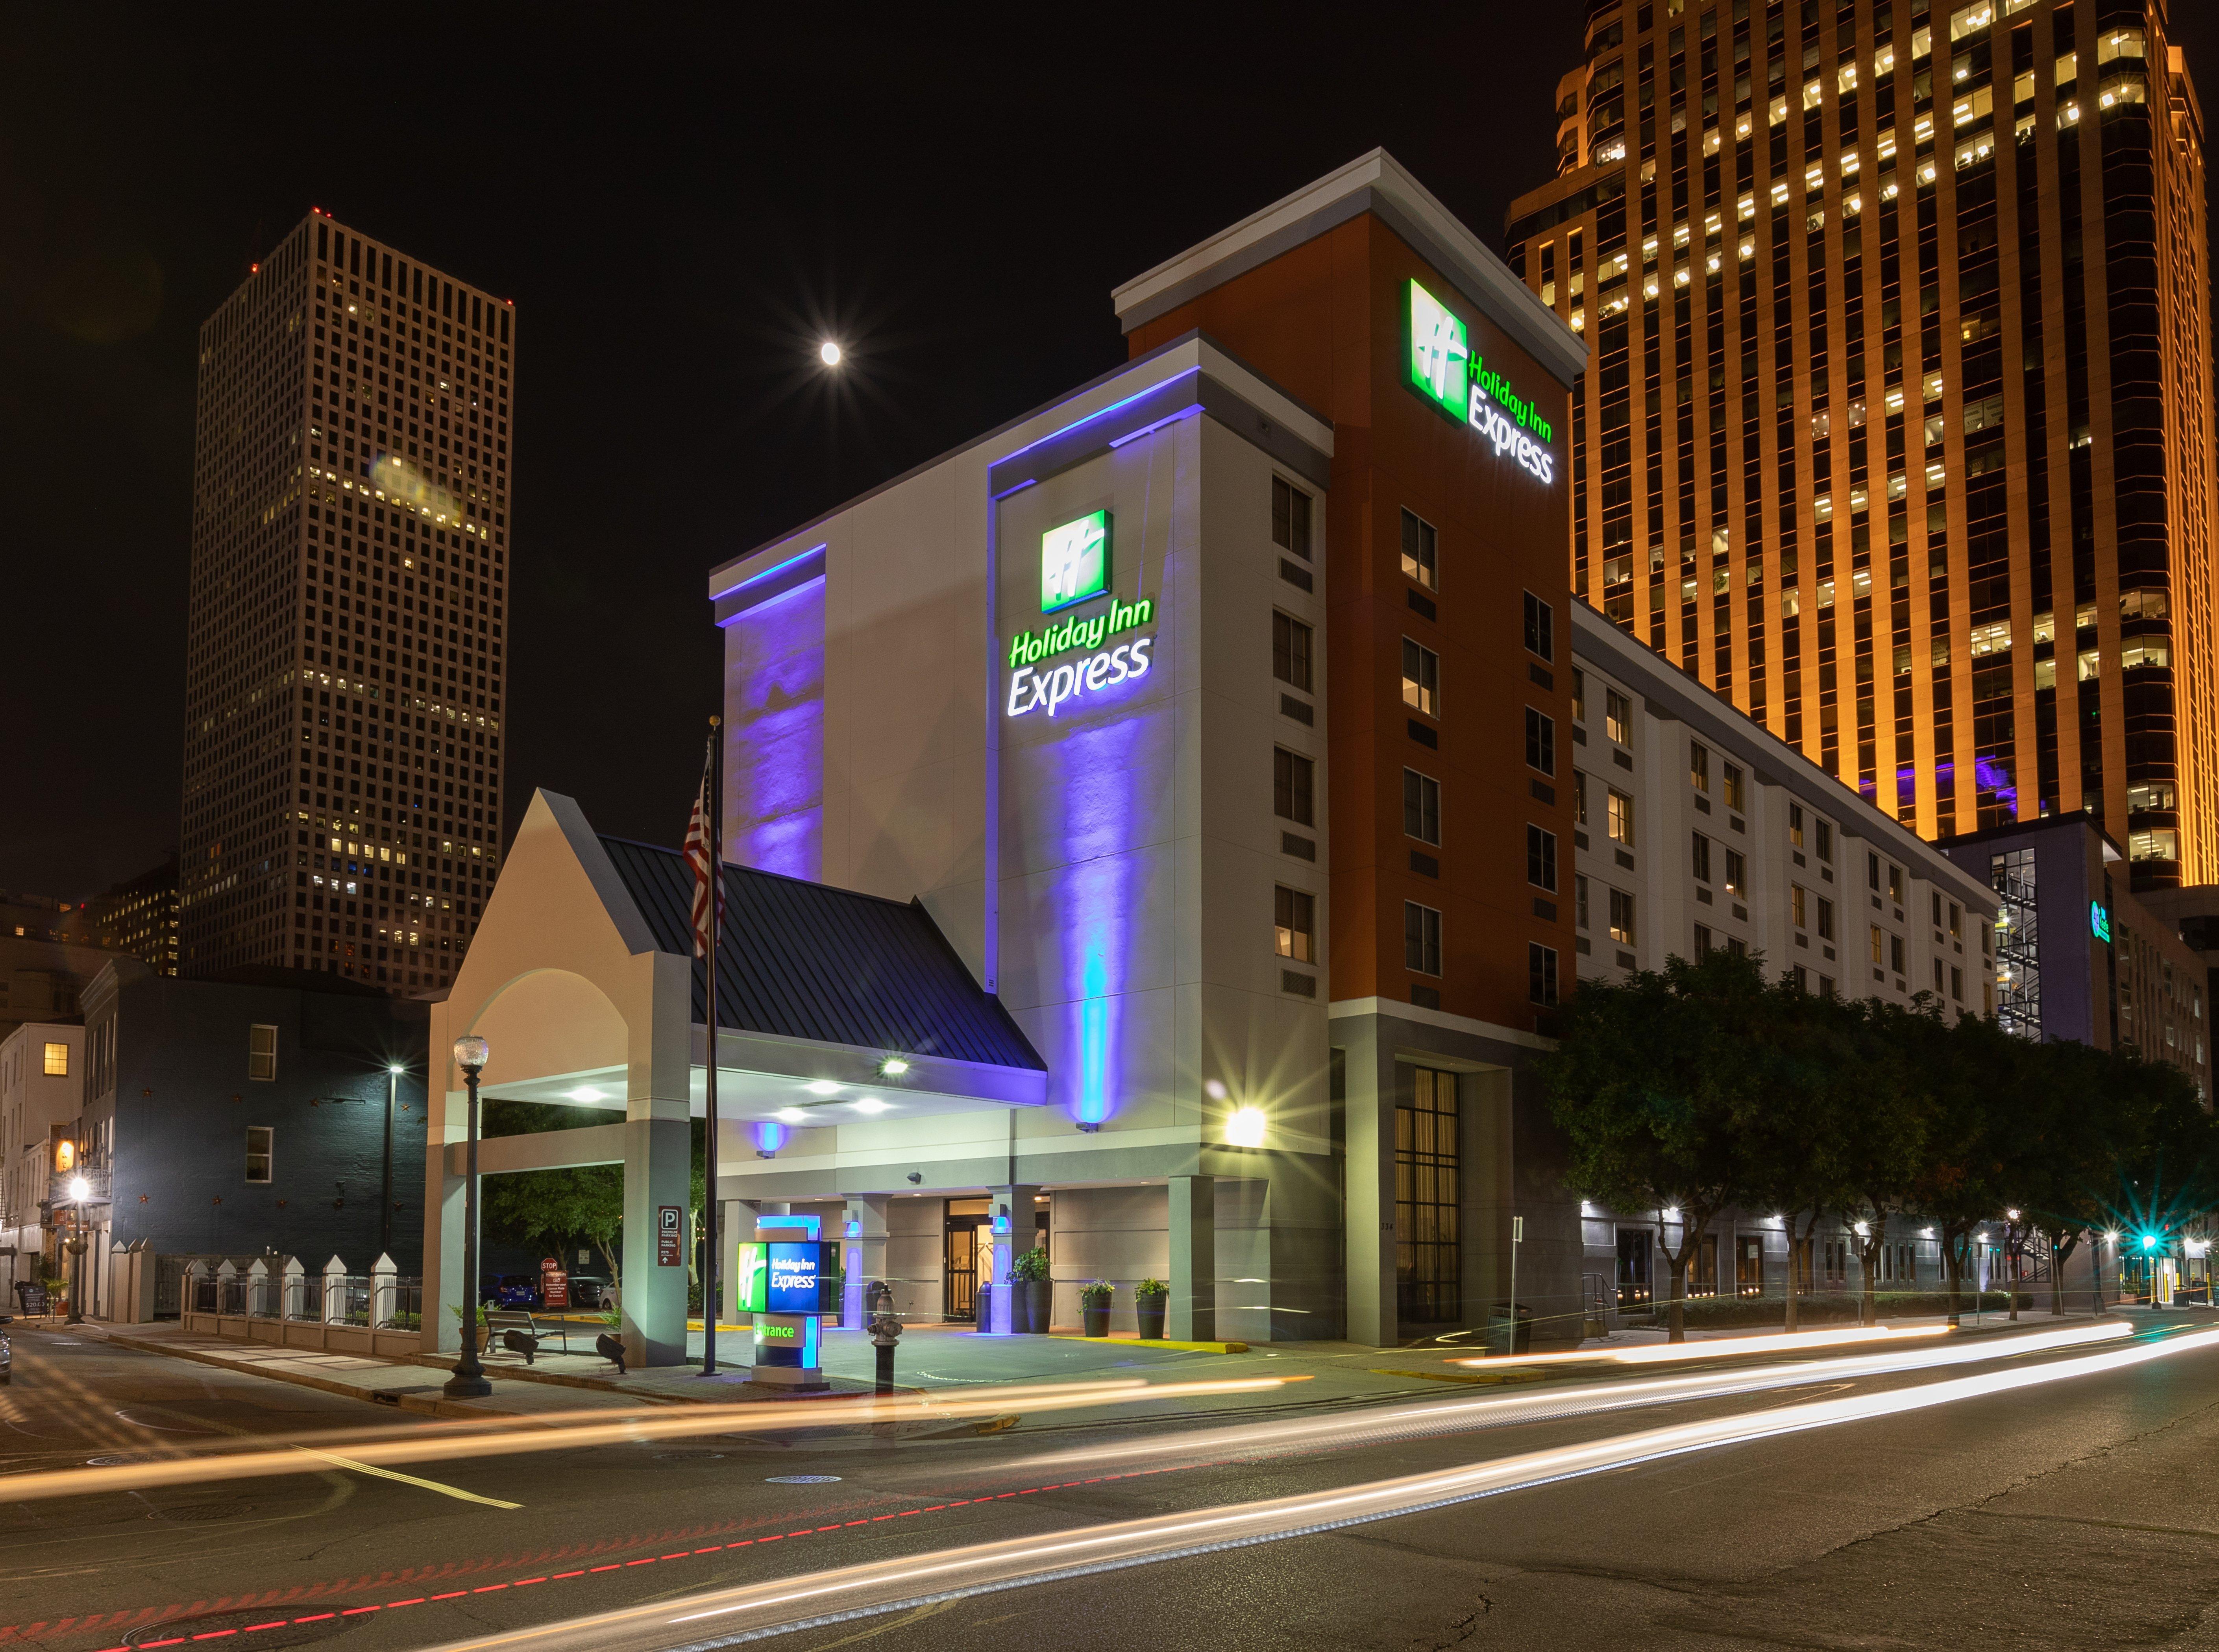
(963, 1246)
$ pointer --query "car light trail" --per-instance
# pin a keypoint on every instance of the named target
(1719, 1348)
(752, 1612)
(600, 1428)
(1446, 1416)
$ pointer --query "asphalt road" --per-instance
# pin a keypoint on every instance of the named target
(2074, 1515)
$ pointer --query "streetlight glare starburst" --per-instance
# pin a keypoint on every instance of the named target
(830, 353)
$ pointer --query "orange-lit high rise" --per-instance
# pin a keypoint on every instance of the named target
(1896, 425)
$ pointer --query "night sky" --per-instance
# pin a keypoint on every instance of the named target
(681, 205)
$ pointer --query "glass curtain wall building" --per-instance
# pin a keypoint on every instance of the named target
(1896, 429)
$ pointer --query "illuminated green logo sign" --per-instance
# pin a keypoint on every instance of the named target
(1441, 351)
(1075, 562)
(1445, 371)
(2099, 921)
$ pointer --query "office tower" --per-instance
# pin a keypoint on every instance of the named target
(346, 673)
(139, 917)
(1896, 430)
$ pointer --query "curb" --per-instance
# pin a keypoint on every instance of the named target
(1154, 1342)
(422, 1404)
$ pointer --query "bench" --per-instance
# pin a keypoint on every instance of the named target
(504, 1323)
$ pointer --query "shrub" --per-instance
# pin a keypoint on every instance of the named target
(1096, 1292)
(1030, 1264)
(1151, 1288)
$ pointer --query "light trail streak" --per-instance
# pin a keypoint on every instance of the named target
(1450, 1416)
(753, 1611)
(1717, 1348)
(599, 1428)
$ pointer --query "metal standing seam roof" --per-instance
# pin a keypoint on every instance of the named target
(806, 961)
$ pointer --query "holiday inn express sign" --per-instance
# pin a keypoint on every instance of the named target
(1075, 566)
(1443, 370)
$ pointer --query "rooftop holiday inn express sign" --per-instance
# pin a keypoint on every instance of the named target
(1443, 370)
(1075, 566)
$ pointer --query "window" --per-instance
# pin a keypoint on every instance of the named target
(1428, 1247)
(1422, 806)
(1580, 902)
(1895, 953)
(1699, 766)
(1621, 917)
(1702, 858)
(1421, 677)
(1736, 873)
(1702, 939)
(1541, 858)
(262, 1053)
(258, 1140)
(1957, 982)
(1290, 519)
(1826, 920)
(57, 1061)
(1825, 843)
(1418, 541)
(1541, 974)
(1540, 742)
(1291, 652)
(1956, 922)
(1293, 780)
(1621, 817)
(1735, 799)
(1579, 696)
(1895, 883)
(1795, 824)
(1579, 798)
(1541, 627)
(1422, 938)
(1879, 945)
(1872, 872)
(1617, 716)
(1796, 906)
(1296, 922)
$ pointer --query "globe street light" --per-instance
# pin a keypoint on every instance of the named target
(469, 1381)
(385, 1205)
(79, 1190)
(829, 353)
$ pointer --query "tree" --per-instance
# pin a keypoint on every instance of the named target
(557, 1207)
(1885, 1132)
(1798, 1142)
(1650, 1081)
(1959, 1077)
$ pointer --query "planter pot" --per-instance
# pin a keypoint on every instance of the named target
(1020, 1302)
(1039, 1297)
(1097, 1319)
(1151, 1312)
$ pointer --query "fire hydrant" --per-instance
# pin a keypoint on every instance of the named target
(886, 1331)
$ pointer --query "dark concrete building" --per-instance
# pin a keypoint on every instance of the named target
(1897, 430)
(139, 917)
(2079, 955)
(229, 1117)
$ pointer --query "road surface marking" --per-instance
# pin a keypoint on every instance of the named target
(406, 1479)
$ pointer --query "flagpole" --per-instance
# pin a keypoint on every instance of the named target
(716, 825)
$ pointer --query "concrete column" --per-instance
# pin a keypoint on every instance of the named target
(1010, 1211)
(1191, 1313)
(448, 1121)
(656, 1174)
(863, 1252)
(1373, 1319)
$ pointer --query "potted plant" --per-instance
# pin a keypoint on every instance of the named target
(1034, 1304)
(1094, 1306)
(1149, 1297)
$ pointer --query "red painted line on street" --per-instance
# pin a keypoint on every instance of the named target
(740, 1542)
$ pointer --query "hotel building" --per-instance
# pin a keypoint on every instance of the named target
(1156, 825)
(345, 668)
(1897, 429)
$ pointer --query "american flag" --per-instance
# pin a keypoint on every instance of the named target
(701, 856)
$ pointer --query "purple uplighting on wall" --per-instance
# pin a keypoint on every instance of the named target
(775, 760)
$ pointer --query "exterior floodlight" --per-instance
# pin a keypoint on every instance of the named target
(395, 1067)
(1245, 1128)
(2012, 1215)
(893, 1066)
(829, 353)
(822, 1087)
(2112, 1234)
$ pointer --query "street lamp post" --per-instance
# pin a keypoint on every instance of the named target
(469, 1381)
(385, 1205)
(78, 1188)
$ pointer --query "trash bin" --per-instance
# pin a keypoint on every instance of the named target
(1506, 1336)
(982, 1309)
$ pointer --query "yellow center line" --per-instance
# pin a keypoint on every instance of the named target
(405, 1480)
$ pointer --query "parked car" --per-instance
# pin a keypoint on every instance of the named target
(587, 1290)
(512, 1290)
(7, 1361)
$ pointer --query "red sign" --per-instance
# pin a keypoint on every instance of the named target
(669, 1236)
(554, 1284)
